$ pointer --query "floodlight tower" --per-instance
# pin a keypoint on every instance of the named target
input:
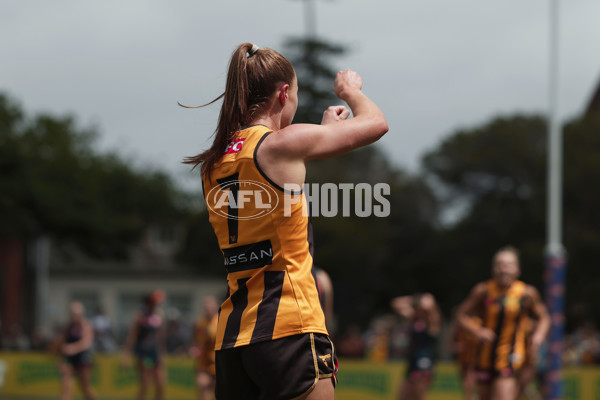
(310, 18)
(555, 254)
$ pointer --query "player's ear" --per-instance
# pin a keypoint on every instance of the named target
(283, 93)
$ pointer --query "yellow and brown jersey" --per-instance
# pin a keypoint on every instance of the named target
(262, 230)
(503, 312)
(529, 327)
(466, 353)
(205, 338)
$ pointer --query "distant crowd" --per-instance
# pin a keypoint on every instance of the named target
(386, 338)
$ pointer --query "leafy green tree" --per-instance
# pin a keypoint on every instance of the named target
(495, 175)
(582, 216)
(54, 183)
(377, 258)
(200, 246)
(12, 213)
(372, 259)
(311, 60)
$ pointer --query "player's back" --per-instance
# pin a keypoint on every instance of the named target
(262, 231)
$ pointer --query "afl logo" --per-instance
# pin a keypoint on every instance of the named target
(242, 200)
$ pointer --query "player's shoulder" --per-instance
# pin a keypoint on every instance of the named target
(290, 140)
(138, 317)
(323, 276)
(531, 291)
(480, 288)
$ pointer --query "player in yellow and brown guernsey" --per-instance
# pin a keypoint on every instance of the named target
(464, 346)
(272, 342)
(466, 356)
(205, 335)
(503, 303)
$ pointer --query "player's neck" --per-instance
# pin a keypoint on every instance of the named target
(266, 121)
(504, 286)
(270, 118)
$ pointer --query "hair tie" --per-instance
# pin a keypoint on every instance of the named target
(253, 50)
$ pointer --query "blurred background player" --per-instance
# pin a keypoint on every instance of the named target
(75, 345)
(425, 321)
(205, 336)
(324, 284)
(503, 303)
(527, 379)
(146, 339)
(463, 345)
(325, 288)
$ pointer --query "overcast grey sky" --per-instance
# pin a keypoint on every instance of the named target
(433, 66)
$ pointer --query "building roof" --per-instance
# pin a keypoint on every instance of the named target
(593, 107)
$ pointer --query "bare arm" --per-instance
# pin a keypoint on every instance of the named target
(309, 141)
(87, 338)
(467, 308)
(198, 340)
(290, 148)
(161, 335)
(451, 338)
(58, 343)
(434, 316)
(132, 334)
(403, 306)
(539, 311)
(327, 287)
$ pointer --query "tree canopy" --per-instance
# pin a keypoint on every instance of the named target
(55, 183)
(496, 173)
(481, 188)
(311, 59)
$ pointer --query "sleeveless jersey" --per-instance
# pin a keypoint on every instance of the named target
(73, 332)
(466, 354)
(147, 337)
(262, 230)
(421, 348)
(503, 312)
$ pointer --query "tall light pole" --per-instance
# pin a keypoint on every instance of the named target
(555, 254)
(310, 19)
